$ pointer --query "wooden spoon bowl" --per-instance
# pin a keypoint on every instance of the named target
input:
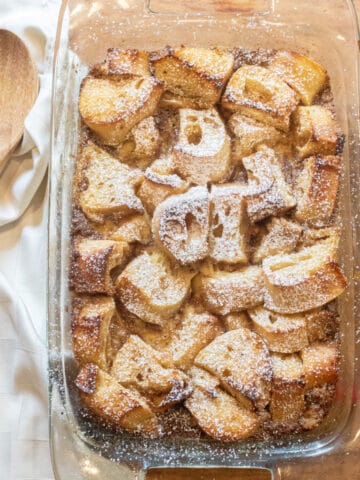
(18, 91)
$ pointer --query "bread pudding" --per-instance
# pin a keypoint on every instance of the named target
(204, 267)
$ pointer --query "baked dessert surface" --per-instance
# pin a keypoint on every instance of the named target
(205, 239)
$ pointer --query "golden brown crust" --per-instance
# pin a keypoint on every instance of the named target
(288, 389)
(316, 131)
(198, 73)
(150, 288)
(317, 188)
(241, 361)
(90, 329)
(283, 333)
(93, 261)
(217, 412)
(224, 292)
(321, 363)
(124, 64)
(137, 365)
(302, 73)
(260, 94)
(303, 280)
(108, 399)
(111, 109)
(196, 330)
(108, 190)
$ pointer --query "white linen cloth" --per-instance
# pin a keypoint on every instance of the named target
(24, 445)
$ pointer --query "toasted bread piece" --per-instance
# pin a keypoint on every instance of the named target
(316, 189)
(158, 337)
(180, 225)
(320, 324)
(141, 145)
(151, 288)
(283, 333)
(109, 190)
(202, 151)
(90, 329)
(137, 365)
(228, 231)
(160, 182)
(304, 280)
(133, 229)
(111, 108)
(260, 94)
(248, 134)
(233, 321)
(302, 73)
(195, 331)
(198, 73)
(316, 132)
(288, 388)
(92, 263)
(109, 400)
(123, 64)
(224, 292)
(320, 360)
(269, 194)
(241, 361)
(218, 413)
(282, 237)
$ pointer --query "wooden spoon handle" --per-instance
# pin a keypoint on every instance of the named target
(18, 91)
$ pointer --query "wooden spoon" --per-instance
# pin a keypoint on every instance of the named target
(18, 91)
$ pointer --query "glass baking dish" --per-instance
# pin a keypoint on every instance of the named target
(328, 32)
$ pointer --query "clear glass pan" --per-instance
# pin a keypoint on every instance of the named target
(326, 30)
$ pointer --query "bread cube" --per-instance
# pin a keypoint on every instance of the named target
(160, 182)
(141, 145)
(302, 73)
(317, 188)
(225, 292)
(151, 288)
(320, 360)
(92, 263)
(133, 229)
(123, 64)
(196, 330)
(316, 132)
(137, 365)
(283, 333)
(198, 73)
(269, 194)
(260, 94)
(115, 404)
(228, 358)
(112, 108)
(248, 134)
(90, 328)
(109, 191)
(228, 231)
(320, 324)
(233, 321)
(202, 151)
(218, 413)
(180, 225)
(303, 280)
(288, 388)
(282, 237)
